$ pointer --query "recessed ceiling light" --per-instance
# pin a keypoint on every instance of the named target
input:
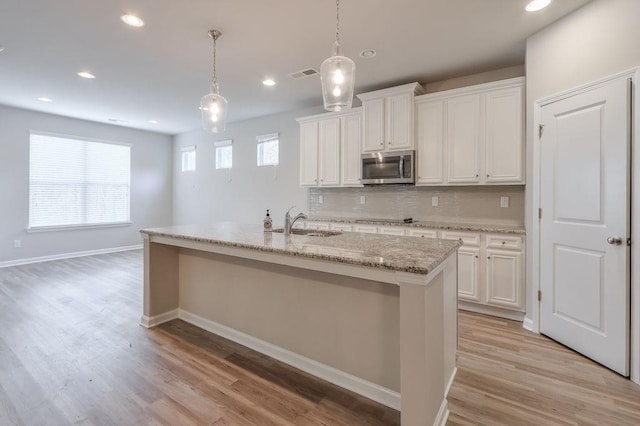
(43, 99)
(535, 5)
(269, 82)
(132, 20)
(368, 53)
(85, 74)
(153, 121)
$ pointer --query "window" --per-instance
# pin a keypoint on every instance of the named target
(76, 182)
(188, 158)
(268, 150)
(224, 154)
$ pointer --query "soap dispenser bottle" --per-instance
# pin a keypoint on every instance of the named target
(268, 223)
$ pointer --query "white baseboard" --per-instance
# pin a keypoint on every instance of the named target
(29, 260)
(443, 414)
(527, 324)
(490, 310)
(451, 379)
(148, 322)
(355, 384)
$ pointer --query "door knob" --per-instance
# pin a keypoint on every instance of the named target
(616, 241)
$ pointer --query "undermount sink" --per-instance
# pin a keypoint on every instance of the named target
(310, 232)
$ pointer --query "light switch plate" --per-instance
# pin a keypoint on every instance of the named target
(363, 199)
(504, 202)
(320, 199)
(17, 243)
(435, 201)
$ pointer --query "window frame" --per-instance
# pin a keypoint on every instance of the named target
(261, 140)
(223, 144)
(45, 228)
(185, 150)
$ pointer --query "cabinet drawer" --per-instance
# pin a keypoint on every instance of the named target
(344, 227)
(469, 239)
(504, 241)
(391, 230)
(318, 226)
(426, 233)
(367, 229)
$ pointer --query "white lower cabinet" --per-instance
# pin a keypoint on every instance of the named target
(490, 266)
(469, 273)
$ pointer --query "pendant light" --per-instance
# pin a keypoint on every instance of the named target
(337, 74)
(214, 105)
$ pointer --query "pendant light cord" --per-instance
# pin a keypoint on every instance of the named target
(338, 22)
(214, 78)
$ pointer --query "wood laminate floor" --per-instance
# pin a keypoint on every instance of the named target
(72, 352)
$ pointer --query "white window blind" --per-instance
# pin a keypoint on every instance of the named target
(268, 150)
(224, 154)
(77, 182)
(188, 158)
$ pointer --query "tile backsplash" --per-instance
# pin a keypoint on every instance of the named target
(479, 204)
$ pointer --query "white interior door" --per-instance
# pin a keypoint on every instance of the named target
(584, 257)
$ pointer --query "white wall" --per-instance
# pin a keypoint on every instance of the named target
(151, 181)
(600, 39)
(207, 195)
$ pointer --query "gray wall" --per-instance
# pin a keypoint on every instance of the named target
(600, 39)
(242, 195)
(151, 182)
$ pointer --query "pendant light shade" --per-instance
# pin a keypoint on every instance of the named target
(213, 105)
(337, 75)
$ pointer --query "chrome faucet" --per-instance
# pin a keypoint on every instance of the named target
(288, 222)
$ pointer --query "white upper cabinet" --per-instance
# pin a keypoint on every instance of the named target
(388, 118)
(309, 153)
(351, 148)
(463, 139)
(472, 135)
(329, 152)
(504, 132)
(430, 141)
(330, 149)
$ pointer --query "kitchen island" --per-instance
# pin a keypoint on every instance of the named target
(375, 314)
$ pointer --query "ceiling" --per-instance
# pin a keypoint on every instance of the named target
(160, 71)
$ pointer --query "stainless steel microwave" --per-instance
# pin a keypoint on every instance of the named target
(388, 167)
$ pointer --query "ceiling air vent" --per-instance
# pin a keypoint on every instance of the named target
(304, 73)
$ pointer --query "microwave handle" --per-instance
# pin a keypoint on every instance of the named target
(401, 166)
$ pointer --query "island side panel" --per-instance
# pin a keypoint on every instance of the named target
(161, 289)
(347, 323)
(450, 294)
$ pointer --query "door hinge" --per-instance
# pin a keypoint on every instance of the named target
(629, 241)
(539, 295)
(540, 213)
(540, 130)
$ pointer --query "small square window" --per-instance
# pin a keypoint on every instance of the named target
(268, 154)
(188, 158)
(224, 154)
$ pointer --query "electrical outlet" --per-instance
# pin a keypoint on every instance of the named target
(363, 199)
(320, 199)
(17, 243)
(504, 202)
(435, 201)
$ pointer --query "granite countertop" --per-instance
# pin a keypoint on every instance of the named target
(452, 226)
(414, 255)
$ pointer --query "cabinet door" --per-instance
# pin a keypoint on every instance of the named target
(463, 139)
(430, 143)
(399, 123)
(318, 226)
(391, 230)
(344, 227)
(504, 136)
(329, 152)
(351, 148)
(469, 274)
(504, 279)
(309, 153)
(373, 128)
